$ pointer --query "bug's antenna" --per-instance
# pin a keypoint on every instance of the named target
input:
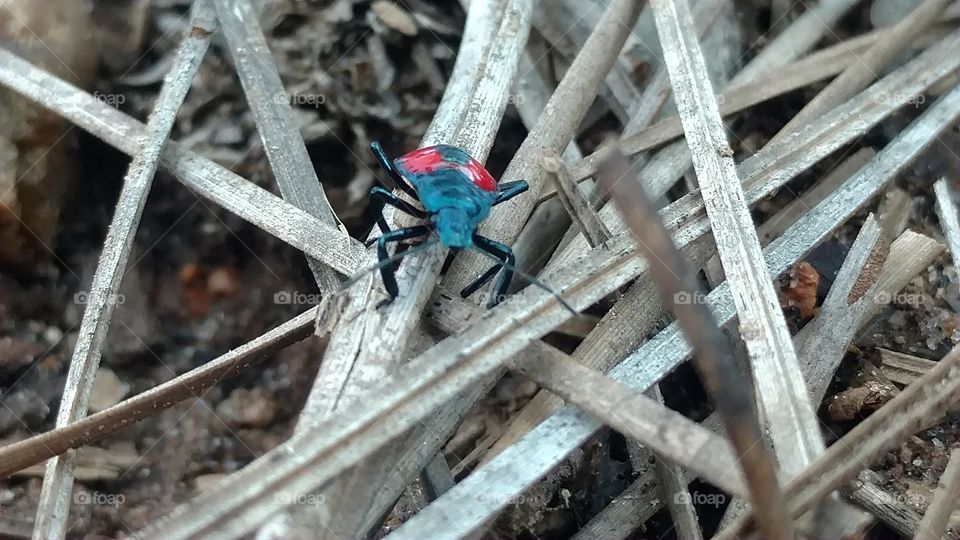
(530, 279)
(387, 262)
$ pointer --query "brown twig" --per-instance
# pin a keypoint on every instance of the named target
(714, 357)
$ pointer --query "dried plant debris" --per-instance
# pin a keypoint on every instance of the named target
(202, 281)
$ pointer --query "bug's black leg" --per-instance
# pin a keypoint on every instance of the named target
(387, 165)
(386, 197)
(480, 281)
(503, 252)
(509, 190)
(386, 271)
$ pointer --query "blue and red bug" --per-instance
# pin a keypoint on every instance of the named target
(456, 193)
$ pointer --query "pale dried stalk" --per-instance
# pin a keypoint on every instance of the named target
(911, 410)
(393, 406)
(765, 172)
(779, 385)
(801, 36)
(949, 217)
(878, 502)
(826, 339)
(813, 68)
(370, 342)
(774, 165)
(228, 190)
(674, 479)
(549, 220)
(461, 510)
(715, 358)
(776, 224)
(903, 368)
(627, 513)
(668, 164)
(567, 25)
(282, 143)
(856, 77)
(635, 415)
(55, 496)
(934, 523)
(553, 131)
(573, 200)
(909, 255)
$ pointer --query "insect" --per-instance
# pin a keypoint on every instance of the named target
(456, 193)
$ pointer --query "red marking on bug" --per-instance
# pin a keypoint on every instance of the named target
(431, 159)
(481, 178)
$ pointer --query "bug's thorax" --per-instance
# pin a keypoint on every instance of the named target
(455, 227)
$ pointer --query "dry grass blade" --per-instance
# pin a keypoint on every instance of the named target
(860, 73)
(775, 225)
(276, 125)
(461, 510)
(790, 417)
(909, 255)
(822, 344)
(636, 416)
(395, 405)
(55, 497)
(715, 360)
(369, 343)
(889, 508)
(826, 339)
(574, 201)
(903, 368)
(815, 67)
(766, 171)
(626, 514)
(911, 410)
(949, 217)
(673, 480)
(554, 130)
(775, 165)
(798, 38)
(944, 501)
(17, 456)
(228, 190)
(414, 450)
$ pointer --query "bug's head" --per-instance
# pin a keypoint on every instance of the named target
(454, 228)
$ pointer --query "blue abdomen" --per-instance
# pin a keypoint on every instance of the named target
(451, 189)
